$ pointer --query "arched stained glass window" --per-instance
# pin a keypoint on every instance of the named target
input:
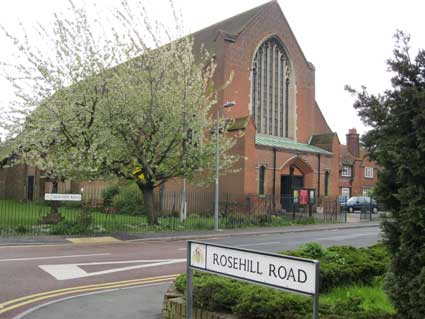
(271, 89)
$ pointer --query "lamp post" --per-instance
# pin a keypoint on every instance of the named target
(217, 160)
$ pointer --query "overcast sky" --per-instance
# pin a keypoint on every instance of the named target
(348, 41)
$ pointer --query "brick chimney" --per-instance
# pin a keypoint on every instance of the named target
(353, 144)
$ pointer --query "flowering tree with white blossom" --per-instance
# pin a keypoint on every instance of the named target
(116, 95)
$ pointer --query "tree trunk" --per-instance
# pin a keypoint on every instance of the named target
(147, 191)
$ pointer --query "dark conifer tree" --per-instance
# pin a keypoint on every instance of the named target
(396, 142)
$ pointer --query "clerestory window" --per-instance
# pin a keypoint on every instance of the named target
(271, 87)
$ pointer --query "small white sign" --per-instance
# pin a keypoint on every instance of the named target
(62, 197)
(292, 273)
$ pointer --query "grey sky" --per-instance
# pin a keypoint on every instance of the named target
(347, 41)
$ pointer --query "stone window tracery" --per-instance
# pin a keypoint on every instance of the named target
(271, 89)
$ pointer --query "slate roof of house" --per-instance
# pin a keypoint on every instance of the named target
(287, 144)
(345, 156)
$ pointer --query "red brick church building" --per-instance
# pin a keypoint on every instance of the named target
(287, 142)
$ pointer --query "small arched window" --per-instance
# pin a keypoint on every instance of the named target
(261, 179)
(326, 183)
(271, 87)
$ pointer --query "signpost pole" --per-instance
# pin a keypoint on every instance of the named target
(188, 284)
(316, 294)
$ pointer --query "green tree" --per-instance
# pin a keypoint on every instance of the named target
(396, 142)
(118, 96)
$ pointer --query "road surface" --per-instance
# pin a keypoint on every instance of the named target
(134, 274)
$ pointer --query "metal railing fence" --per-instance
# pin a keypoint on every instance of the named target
(110, 211)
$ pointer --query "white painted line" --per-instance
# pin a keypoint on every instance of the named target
(73, 271)
(124, 262)
(53, 257)
(27, 312)
(342, 237)
(259, 244)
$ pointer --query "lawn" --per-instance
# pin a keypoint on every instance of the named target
(366, 298)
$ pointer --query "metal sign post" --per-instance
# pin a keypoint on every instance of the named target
(293, 274)
(189, 272)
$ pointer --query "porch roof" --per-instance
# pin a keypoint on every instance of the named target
(287, 144)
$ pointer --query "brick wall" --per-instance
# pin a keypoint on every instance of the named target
(174, 307)
(236, 57)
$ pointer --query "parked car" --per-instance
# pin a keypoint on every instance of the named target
(359, 203)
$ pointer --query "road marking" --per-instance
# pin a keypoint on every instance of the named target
(345, 236)
(32, 309)
(53, 257)
(6, 303)
(32, 245)
(93, 240)
(259, 244)
(22, 301)
(73, 271)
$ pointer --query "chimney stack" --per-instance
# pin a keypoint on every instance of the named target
(353, 143)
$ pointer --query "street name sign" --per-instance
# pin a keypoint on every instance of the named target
(289, 273)
(62, 197)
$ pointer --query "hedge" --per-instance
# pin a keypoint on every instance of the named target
(345, 265)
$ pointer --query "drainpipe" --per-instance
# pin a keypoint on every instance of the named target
(274, 179)
(318, 177)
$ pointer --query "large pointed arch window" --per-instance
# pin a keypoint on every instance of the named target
(271, 89)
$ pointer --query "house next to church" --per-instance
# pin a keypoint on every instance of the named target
(358, 174)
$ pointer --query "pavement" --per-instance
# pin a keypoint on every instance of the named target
(180, 235)
(105, 305)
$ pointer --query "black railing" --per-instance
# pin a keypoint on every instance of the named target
(100, 212)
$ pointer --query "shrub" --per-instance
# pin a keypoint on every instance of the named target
(345, 265)
(83, 224)
(66, 227)
(211, 292)
(124, 199)
(265, 303)
(21, 229)
(108, 194)
(214, 293)
(312, 250)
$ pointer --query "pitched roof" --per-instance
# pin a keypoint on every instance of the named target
(231, 27)
(345, 156)
(323, 141)
(287, 144)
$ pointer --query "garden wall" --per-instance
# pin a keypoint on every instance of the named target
(174, 307)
